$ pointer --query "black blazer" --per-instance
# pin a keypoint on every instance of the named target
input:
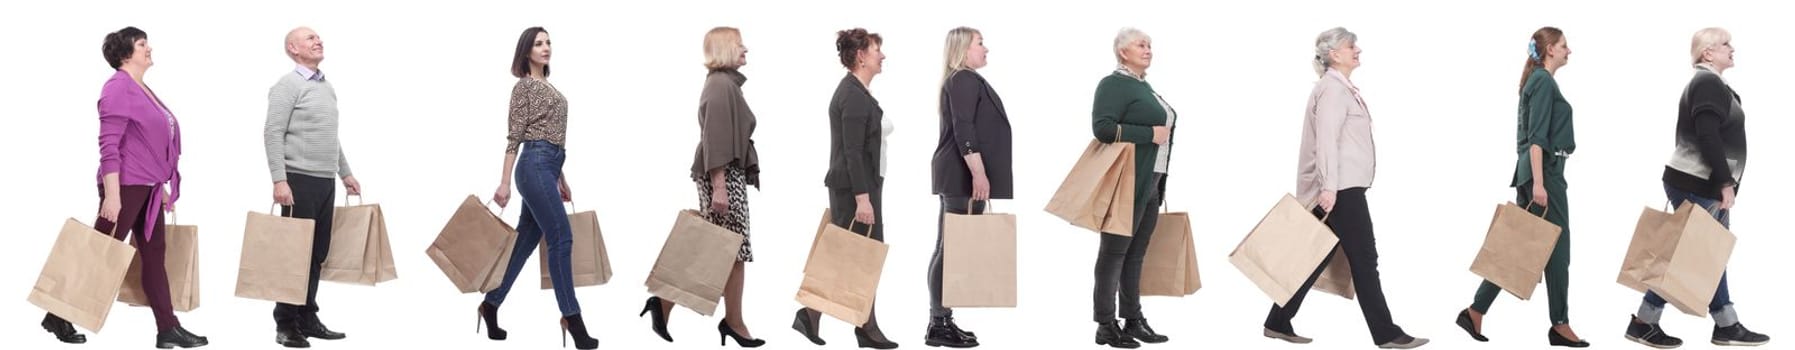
(854, 135)
(972, 121)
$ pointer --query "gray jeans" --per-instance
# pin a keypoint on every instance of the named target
(1119, 260)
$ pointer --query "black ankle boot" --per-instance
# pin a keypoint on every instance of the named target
(489, 314)
(574, 325)
(1139, 330)
(64, 331)
(943, 332)
(180, 337)
(1110, 333)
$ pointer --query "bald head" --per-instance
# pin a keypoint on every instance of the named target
(305, 47)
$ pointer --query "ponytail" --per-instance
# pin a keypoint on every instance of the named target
(1537, 48)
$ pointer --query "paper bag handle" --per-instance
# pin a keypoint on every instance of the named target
(970, 201)
(358, 198)
(1542, 214)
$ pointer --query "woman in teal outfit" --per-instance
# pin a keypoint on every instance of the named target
(1545, 139)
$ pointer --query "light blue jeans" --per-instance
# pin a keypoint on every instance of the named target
(544, 220)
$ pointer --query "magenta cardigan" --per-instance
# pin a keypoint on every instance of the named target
(140, 140)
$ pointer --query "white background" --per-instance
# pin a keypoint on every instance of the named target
(423, 88)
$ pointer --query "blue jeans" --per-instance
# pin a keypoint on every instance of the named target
(1721, 308)
(538, 181)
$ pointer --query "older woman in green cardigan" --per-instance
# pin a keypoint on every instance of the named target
(1127, 110)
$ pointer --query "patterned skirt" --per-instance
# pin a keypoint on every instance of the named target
(735, 180)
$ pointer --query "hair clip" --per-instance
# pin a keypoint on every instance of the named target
(1533, 49)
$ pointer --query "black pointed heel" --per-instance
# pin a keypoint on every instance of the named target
(729, 333)
(653, 307)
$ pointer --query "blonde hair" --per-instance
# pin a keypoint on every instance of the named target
(1127, 36)
(1705, 39)
(1326, 43)
(723, 48)
(959, 40)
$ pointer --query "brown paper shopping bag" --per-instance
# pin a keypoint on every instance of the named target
(1283, 250)
(978, 259)
(181, 247)
(1682, 258)
(474, 247)
(1336, 279)
(841, 275)
(1170, 268)
(81, 278)
(694, 263)
(1515, 251)
(591, 261)
(275, 264)
(360, 252)
(1098, 194)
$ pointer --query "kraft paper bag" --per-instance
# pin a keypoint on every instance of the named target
(1682, 258)
(591, 261)
(1098, 194)
(181, 247)
(978, 260)
(1283, 250)
(1170, 268)
(275, 264)
(360, 252)
(1336, 279)
(1515, 251)
(82, 275)
(474, 247)
(841, 275)
(695, 263)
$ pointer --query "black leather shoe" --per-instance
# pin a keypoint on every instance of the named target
(1651, 335)
(942, 332)
(1144, 333)
(311, 327)
(289, 336)
(1110, 333)
(1464, 322)
(727, 333)
(653, 307)
(1737, 335)
(64, 331)
(178, 336)
(807, 326)
(865, 340)
(1556, 339)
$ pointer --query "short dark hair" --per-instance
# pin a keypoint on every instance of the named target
(849, 43)
(520, 62)
(121, 44)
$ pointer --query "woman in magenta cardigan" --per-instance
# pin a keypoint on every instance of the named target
(140, 149)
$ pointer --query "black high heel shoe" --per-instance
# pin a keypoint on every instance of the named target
(576, 326)
(1556, 339)
(727, 333)
(64, 331)
(489, 314)
(660, 319)
(1464, 321)
(806, 326)
(867, 341)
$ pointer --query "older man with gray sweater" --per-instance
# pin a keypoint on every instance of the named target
(304, 159)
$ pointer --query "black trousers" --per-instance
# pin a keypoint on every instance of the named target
(841, 213)
(1119, 258)
(313, 198)
(1351, 221)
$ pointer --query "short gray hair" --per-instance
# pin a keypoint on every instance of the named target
(1328, 41)
(1127, 36)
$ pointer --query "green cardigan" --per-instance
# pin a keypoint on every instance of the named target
(1545, 120)
(1128, 103)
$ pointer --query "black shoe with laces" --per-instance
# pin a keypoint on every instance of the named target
(64, 331)
(1737, 335)
(942, 332)
(1650, 334)
(179, 337)
(1144, 333)
(1110, 333)
(311, 327)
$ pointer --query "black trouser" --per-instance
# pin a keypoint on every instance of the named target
(1351, 221)
(1119, 259)
(841, 213)
(313, 198)
(949, 204)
